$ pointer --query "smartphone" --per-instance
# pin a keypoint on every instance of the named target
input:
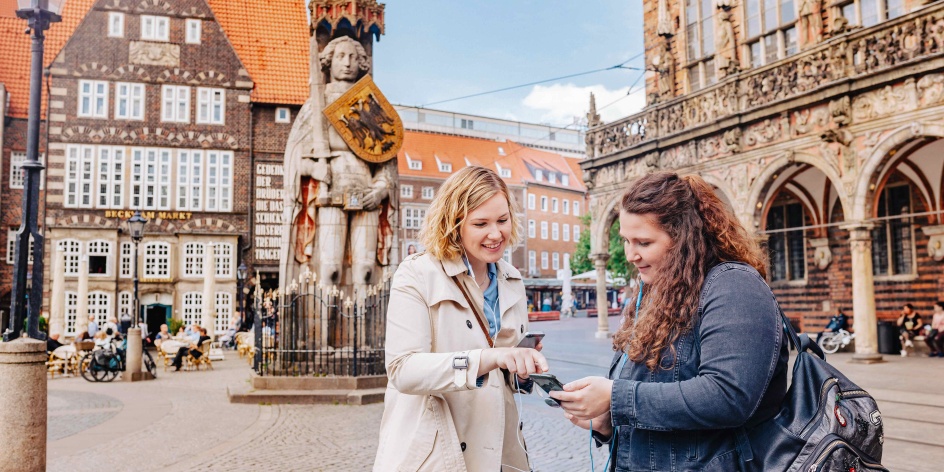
(531, 339)
(548, 383)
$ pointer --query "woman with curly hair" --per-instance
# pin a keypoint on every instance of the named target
(456, 314)
(701, 353)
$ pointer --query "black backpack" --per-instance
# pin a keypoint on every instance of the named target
(825, 422)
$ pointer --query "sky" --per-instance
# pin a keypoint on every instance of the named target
(444, 49)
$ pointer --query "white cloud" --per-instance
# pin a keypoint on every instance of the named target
(560, 103)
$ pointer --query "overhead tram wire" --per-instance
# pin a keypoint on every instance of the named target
(621, 65)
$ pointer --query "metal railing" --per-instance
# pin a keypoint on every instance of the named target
(319, 331)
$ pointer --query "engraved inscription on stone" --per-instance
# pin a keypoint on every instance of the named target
(154, 54)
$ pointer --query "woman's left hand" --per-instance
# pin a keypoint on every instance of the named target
(586, 398)
(539, 346)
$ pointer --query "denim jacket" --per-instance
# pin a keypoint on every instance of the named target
(730, 371)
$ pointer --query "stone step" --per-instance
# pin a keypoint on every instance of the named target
(307, 397)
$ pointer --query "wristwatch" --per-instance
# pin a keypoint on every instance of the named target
(460, 363)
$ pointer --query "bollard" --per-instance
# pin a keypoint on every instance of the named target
(23, 405)
(133, 356)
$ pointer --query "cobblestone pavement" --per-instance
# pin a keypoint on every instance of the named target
(184, 422)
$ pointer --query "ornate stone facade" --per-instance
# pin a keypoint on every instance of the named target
(848, 131)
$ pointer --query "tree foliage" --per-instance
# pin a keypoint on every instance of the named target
(617, 264)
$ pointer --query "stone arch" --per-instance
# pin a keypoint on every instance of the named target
(86, 220)
(602, 218)
(760, 189)
(724, 190)
(208, 224)
(883, 158)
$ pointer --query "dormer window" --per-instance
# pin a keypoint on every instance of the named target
(283, 115)
(155, 28)
(503, 172)
(552, 177)
(501, 151)
(443, 166)
(565, 180)
(414, 164)
(538, 175)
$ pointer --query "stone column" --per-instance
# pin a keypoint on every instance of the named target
(863, 294)
(57, 303)
(23, 409)
(81, 310)
(132, 371)
(603, 324)
(208, 321)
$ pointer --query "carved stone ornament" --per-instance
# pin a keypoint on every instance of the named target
(807, 121)
(154, 54)
(886, 101)
(664, 21)
(767, 131)
(930, 89)
(367, 122)
(841, 111)
(726, 59)
(811, 22)
(821, 252)
(935, 241)
(732, 140)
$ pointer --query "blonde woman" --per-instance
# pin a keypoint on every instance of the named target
(456, 314)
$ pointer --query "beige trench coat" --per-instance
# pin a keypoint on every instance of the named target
(435, 419)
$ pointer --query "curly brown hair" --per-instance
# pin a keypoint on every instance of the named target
(704, 233)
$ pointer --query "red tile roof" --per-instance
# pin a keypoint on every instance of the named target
(8, 8)
(461, 151)
(271, 39)
(15, 52)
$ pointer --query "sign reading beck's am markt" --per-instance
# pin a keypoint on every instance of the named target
(268, 212)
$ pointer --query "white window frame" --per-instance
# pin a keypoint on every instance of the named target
(532, 229)
(110, 186)
(211, 106)
(175, 103)
(219, 181)
(543, 203)
(223, 309)
(223, 257)
(18, 175)
(157, 260)
(93, 99)
(116, 24)
(129, 101)
(445, 167)
(532, 261)
(11, 246)
(126, 260)
(155, 28)
(576, 208)
(543, 260)
(80, 176)
(544, 230)
(555, 231)
(283, 115)
(413, 217)
(565, 231)
(72, 307)
(192, 308)
(554, 205)
(103, 248)
(190, 169)
(538, 175)
(566, 206)
(552, 178)
(576, 233)
(428, 193)
(531, 199)
(406, 191)
(71, 251)
(192, 256)
(150, 178)
(565, 180)
(773, 33)
(414, 164)
(125, 302)
(99, 304)
(555, 261)
(194, 28)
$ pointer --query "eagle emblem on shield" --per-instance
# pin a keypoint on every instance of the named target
(367, 122)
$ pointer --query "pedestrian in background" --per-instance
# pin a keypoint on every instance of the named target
(456, 314)
(705, 352)
(909, 326)
(935, 337)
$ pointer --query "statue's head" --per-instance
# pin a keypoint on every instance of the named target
(345, 58)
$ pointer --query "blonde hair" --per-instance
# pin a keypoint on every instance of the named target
(459, 195)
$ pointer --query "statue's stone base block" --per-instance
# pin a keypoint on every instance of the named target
(866, 359)
(136, 376)
(312, 390)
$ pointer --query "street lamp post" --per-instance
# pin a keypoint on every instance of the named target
(136, 227)
(39, 14)
(241, 273)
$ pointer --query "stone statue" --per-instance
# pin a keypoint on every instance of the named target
(811, 21)
(664, 64)
(726, 61)
(339, 209)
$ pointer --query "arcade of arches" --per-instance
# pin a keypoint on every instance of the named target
(845, 186)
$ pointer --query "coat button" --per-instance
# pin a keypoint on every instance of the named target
(468, 323)
(522, 328)
(462, 446)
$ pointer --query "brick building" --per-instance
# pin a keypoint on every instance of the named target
(819, 123)
(164, 106)
(547, 185)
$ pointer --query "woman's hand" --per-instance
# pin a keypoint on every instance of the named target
(521, 361)
(586, 398)
(602, 424)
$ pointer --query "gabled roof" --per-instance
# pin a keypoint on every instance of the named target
(271, 39)
(15, 54)
(461, 151)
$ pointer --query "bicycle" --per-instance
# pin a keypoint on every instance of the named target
(104, 365)
(834, 341)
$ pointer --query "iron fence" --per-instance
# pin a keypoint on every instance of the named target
(321, 331)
